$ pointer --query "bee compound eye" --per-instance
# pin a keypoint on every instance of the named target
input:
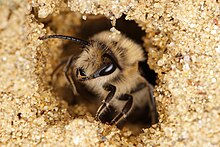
(108, 69)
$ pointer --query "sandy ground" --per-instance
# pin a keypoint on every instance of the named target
(186, 55)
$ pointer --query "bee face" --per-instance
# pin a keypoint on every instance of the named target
(94, 62)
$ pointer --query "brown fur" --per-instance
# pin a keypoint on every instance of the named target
(128, 54)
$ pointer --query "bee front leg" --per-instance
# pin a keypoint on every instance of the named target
(68, 74)
(105, 102)
(126, 109)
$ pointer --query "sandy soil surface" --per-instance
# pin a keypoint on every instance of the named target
(184, 52)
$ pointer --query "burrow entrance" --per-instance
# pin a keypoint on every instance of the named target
(89, 27)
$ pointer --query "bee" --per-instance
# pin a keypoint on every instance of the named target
(109, 66)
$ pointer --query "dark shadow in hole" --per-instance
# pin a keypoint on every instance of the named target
(130, 28)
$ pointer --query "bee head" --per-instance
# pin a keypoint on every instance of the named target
(96, 60)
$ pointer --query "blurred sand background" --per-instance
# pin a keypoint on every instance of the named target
(184, 52)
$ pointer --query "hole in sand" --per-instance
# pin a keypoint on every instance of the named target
(88, 28)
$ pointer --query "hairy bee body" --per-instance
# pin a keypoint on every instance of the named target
(109, 66)
(127, 53)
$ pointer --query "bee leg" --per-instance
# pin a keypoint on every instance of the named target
(68, 74)
(105, 102)
(126, 109)
(57, 69)
(154, 114)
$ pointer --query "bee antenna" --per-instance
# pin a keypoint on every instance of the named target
(77, 40)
